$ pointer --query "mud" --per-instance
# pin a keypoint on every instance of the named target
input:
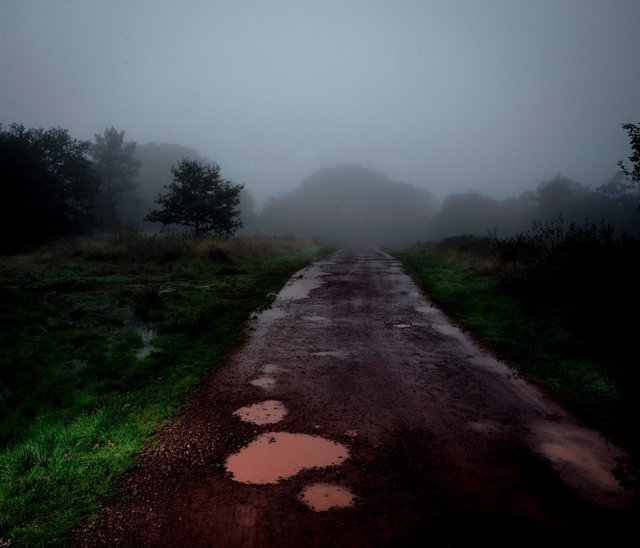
(446, 446)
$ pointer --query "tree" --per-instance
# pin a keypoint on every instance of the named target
(48, 186)
(200, 199)
(633, 131)
(117, 168)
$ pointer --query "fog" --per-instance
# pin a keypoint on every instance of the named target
(446, 95)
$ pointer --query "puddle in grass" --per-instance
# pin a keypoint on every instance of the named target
(266, 412)
(275, 456)
(147, 336)
(321, 497)
(264, 382)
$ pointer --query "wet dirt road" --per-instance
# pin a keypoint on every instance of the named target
(356, 414)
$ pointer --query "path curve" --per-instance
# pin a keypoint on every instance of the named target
(434, 439)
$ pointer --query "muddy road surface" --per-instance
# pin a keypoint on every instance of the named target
(356, 414)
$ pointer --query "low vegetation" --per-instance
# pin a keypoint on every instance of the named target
(101, 340)
(550, 302)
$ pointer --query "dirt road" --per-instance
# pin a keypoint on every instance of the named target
(366, 399)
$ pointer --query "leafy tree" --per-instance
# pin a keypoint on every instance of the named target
(200, 199)
(48, 185)
(633, 131)
(117, 168)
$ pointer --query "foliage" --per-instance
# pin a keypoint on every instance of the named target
(200, 199)
(81, 390)
(117, 168)
(352, 205)
(633, 132)
(549, 301)
(49, 188)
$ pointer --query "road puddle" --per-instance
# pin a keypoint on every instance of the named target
(580, 457)
(317, 319)
(266, 412)
(334, 353)
(275, 456)
(264, 382)
(271, 369)
(402, 325)
(302, 285)
(321, 497)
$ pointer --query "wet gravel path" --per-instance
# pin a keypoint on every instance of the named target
(420, 436)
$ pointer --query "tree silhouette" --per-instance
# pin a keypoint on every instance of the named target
(117, 168)
(633, 131)
(200, 199)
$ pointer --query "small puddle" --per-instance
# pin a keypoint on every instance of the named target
(275, 456)
(147, 336)
(266, 412)
(302, 284)
(321, 497)
(264, 382)
(334, 353)
(271, 368)
(317, 319)
(402, 325)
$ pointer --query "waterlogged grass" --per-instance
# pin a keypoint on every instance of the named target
(78, 398)
(534, 336)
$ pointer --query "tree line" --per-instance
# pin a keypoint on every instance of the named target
(54, 185)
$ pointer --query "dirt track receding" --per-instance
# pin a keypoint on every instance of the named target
(444, 443)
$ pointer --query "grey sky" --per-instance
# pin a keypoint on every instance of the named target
(450, 95)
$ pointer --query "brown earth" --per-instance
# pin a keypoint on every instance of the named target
(433, 441)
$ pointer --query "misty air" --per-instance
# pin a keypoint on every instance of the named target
(332, 273)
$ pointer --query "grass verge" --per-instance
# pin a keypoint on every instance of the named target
(101, 340)
(541, 338)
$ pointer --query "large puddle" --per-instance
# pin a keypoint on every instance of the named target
(300, 288)
(321, 497)
(275, 456)
(266, 412)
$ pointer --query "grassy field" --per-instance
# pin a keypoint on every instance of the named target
(568, 336)
(101, 339)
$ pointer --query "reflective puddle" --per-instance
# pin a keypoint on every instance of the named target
(147, 336)
(264, 382)
(321, 497)
(270, 369)
(275, 456)
(402, 325)
(574, 454)
(266, 412)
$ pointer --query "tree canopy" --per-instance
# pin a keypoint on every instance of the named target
(199, 198)
(117, 168)
(48, 185)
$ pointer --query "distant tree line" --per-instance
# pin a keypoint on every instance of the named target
(54, 185)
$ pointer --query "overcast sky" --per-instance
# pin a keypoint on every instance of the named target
(495, 95)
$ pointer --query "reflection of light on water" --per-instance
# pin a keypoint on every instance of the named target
(275, 456)
(266, 412)
(147, 336)
(580, 457)
(324, 496)
(264, 382)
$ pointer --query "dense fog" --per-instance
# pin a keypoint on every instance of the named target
(366, 120)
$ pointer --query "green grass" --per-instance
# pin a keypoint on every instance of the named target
(534, 336)
(77, 400)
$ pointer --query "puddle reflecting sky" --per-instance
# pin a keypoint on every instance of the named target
(275, 456)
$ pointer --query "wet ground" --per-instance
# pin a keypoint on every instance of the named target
(357, 415)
